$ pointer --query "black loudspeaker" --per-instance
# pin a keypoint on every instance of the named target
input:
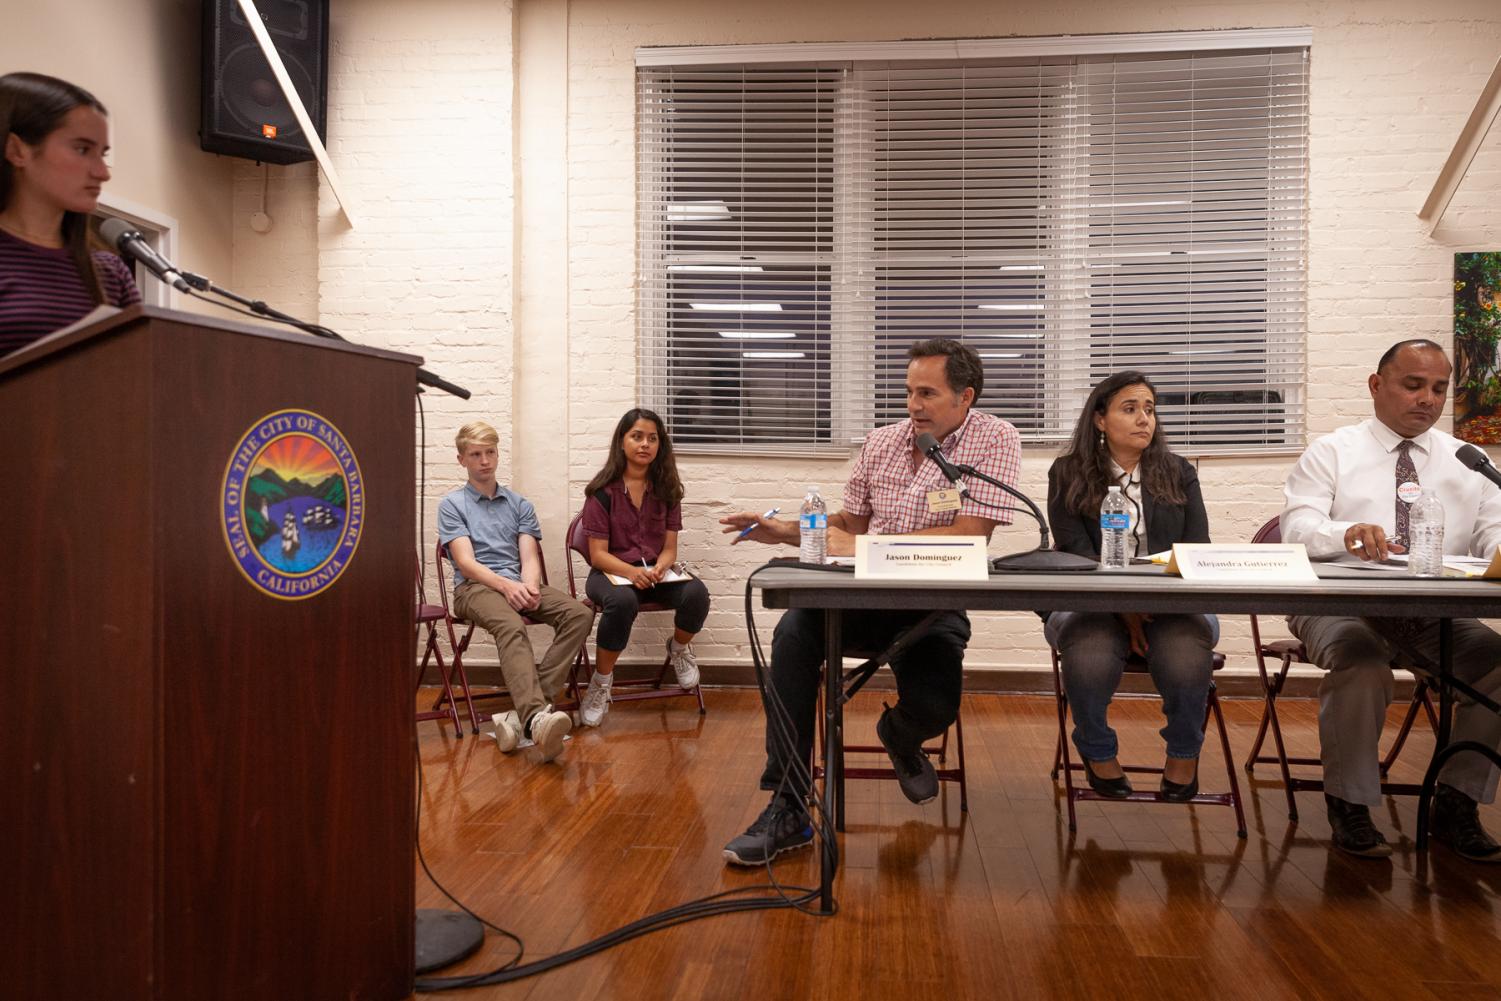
(244, 112)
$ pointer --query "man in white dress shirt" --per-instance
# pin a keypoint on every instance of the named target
(1346, 495)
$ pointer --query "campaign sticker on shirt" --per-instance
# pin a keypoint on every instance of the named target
(292, 504)
(1409, 492)
(943, 500)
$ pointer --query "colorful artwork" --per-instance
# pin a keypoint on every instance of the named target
(1477, 347)
(292, 504)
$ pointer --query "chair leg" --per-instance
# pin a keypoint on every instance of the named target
(1287, 775)
(959, 755)
(1064, 759)
(1268, 694)
(445, 697)
(458, 667)
(1219, 721)
(699, 691)
(1428, 691)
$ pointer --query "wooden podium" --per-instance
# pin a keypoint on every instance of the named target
(208, 774)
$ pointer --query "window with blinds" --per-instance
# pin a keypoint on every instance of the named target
(1066, 216)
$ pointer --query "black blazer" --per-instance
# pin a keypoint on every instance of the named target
(1166, 523)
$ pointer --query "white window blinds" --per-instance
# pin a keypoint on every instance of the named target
(1066, 216)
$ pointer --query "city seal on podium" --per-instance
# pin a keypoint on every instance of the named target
(292, 504)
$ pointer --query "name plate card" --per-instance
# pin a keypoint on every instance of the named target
(1278, 563)
(921, 557)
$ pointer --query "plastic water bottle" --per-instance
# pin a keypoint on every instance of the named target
(1115, 522)
(813, 528)
(1425, 536)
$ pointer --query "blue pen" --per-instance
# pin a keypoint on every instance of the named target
(748, 529)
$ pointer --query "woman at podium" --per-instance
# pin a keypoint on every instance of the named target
(1119, 442)
(52, 271)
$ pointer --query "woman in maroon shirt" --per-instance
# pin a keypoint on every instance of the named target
(56, 137)
(632, 516)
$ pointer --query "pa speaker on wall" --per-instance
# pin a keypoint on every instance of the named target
(244, 111)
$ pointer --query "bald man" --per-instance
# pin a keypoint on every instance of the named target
(1349, 493)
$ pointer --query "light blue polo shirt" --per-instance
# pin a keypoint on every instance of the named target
(493, 525)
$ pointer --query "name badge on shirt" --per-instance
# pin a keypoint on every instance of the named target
(943, 500)
(1409, 492)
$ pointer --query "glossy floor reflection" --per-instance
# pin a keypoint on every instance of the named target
(1145, 901)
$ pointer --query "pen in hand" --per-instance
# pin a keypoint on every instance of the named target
(748, 529)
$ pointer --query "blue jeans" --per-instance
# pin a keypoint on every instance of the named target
(1180, 656)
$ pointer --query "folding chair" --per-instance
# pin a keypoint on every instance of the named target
(1063, 759)
(1289, 652)
(620, 691)
(428, 617)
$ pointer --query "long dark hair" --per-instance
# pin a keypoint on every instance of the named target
(662, 474)
(33, 106)
(1084, 467)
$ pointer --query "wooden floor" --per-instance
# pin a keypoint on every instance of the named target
(1145, 901)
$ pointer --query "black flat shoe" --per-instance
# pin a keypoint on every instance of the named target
(1117, 788)
(1180, 792)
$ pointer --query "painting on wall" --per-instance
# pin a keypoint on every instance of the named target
(1477, 347)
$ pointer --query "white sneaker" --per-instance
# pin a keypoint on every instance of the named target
(596, 701)
(684, 665)
(508, 731)
(549, 727)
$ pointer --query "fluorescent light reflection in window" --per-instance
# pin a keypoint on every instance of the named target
(715, 211)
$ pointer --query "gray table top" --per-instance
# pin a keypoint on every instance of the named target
(1339, 591)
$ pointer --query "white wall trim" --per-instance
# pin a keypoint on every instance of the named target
(975, 48)
(160, 231)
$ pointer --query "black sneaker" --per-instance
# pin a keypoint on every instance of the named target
(914, 772)
(1353, 831)
(780, 828)
(1456, 822)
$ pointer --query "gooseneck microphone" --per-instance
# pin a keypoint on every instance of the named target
(1477, 460)
(929, 446)
(128, 240)
(132, 245)
(1039, 560)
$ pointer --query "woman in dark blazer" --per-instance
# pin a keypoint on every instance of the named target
(1118, 441)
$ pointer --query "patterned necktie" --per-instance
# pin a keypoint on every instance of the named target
(1404, 632)
(1406, 473)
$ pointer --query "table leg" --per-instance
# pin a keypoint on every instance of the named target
(833, 749)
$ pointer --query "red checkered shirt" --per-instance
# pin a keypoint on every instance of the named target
(885, 486)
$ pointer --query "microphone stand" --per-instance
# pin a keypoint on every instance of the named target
(260, 308)
(1043, 559)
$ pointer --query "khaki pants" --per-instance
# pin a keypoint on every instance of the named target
(1358, 687)
(533, 684)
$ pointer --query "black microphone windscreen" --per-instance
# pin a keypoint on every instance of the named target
(113, 230)
(926, 443)
(1472, 456)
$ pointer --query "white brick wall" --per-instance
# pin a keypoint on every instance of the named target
(1391, 86)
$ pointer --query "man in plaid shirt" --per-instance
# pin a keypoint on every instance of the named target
(893, 489)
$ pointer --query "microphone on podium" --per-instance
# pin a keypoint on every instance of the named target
(1039, 560)
(132, 246)
(1477, 460)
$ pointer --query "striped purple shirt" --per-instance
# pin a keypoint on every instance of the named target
(40, 290)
